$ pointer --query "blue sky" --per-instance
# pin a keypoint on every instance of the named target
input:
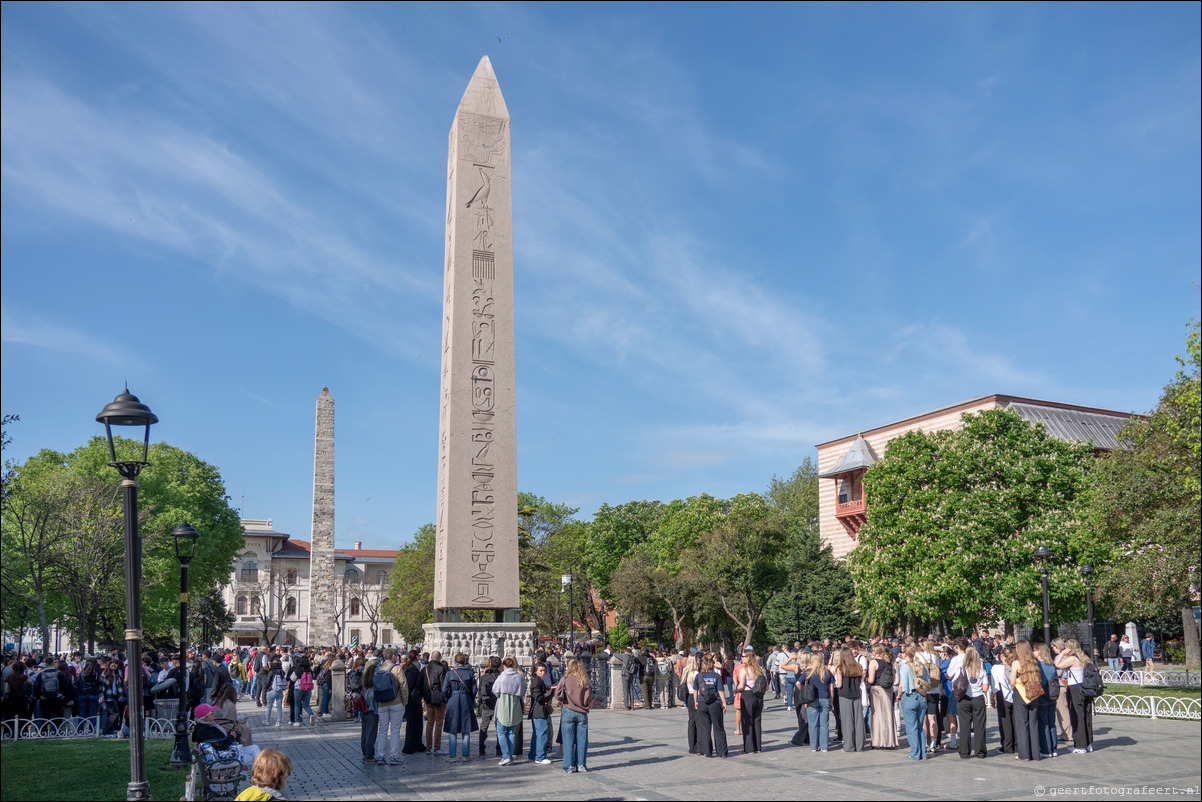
(739, 230)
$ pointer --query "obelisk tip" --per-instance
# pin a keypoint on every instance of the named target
(483, 94)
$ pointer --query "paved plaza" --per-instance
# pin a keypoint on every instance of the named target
(642, 754)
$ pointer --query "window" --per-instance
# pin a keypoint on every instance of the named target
(250, 571)
(241, 605)
(381, 577)
(255, 605)
(386, 636)
(355, 608)
(354, 637)
(290, 606)
(352, 576)
(290, 577)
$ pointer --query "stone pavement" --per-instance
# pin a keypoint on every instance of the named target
(642, 754)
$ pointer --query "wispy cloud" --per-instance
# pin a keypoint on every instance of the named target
(43, 333)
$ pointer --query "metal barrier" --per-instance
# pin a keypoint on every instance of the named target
(1149, 706)
(42, 729)
(1160, 679)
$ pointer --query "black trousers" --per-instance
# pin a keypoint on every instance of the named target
(691, 706)
(648, 683)
(802, 736)
(838, 719)
(752, 715)
(1080, 712)
(971, 713)
(711, 732)
(1005, 722)
(369, 724)
(1026, 728)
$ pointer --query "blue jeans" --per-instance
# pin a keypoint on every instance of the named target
(914, 710)
(254, 686)
(790, 678)
(454, 741)
(302, 703)
(505, 740)
(88, 707)
(275, 698)
(819, 715)
(1048, 736)
(574, 727)
(730, 690)
(325, 699)
(538, 742)
(1113, 662)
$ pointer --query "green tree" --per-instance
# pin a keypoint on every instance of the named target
(614, 531)
(411, 586)
(1145, 507)
(954, 517)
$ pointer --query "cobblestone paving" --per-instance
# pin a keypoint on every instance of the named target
(642, 754)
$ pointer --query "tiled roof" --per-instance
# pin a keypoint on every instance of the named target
(1075, 425)
(389, 553)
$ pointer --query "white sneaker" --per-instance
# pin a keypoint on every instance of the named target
(1080, 752)
(312, 719)
(954, 742)
(505, 762)
(544, 762)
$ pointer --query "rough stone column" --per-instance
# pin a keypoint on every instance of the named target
(321, 563)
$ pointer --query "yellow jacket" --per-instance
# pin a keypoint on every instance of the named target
(257, 794)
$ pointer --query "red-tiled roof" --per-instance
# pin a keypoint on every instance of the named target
(370, 552)
(294, 545)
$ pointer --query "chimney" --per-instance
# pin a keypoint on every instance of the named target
(358, 545)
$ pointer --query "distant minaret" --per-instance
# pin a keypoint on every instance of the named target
(321, 562)
(476, 556)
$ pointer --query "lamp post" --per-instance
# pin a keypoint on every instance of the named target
(185, 548)
(1087, 573)
(1042, 555)
(22, 612)
(797, 617)
(566, 579)
(127, 410)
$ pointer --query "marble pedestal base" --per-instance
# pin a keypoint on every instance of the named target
(480, 641)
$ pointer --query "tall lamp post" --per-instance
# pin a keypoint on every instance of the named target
(1087, 573)
(797, 616)
(1042, 555)
(185, 549)
(566, 580)
(127, 410)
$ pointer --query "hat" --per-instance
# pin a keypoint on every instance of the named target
(749, 648)
(203, 710)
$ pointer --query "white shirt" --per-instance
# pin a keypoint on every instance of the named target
(1001, 682)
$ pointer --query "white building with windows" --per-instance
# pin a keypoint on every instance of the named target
(269, 591)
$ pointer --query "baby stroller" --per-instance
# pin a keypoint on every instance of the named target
(218, 771)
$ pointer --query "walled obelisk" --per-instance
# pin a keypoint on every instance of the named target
(321, 558)
(476, 556)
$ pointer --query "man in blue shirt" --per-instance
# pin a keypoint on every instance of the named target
(1146, 647)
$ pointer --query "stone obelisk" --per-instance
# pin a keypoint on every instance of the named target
(321, 561)
(476, 556)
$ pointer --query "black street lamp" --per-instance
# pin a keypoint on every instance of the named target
(185, 549)
(127, 410)
(1042, 555)
(1087, 573)
(22, 612)
(797, 616)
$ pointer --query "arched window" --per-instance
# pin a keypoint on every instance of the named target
(255, 605)
(241, 605)
(250, 571)
(290, 577)
(290, 606)
(352, 576)
(355, 607)
(381, 577)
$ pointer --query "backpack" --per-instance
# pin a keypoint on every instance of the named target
(804, 691)
(631, 669)
(706, 692)
(682, 693)
(663, 668)
(1091, 682)
(354, 680)
(305, 683)
(359, 704)
(278, 683)
(48, 681)
(922, 678)
(385, 686)
(960, 686)
(1054, 689)
(1032, 690)
(884, 675)
(760, 686)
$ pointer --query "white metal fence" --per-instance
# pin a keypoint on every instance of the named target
(1149, 706)
(41, 729)
(1159, 679)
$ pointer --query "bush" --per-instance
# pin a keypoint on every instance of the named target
(1174, 651)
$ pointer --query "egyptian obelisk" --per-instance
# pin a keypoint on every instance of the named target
(476, 564)
(476, 552)
(321, 557)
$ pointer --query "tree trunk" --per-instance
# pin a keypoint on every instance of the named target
(42, 624)
(1192, 656)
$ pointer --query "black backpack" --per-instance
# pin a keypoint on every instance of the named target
(760, 686)
(706, 692)
(1091, 682)
(805, 692)
(48, 684)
